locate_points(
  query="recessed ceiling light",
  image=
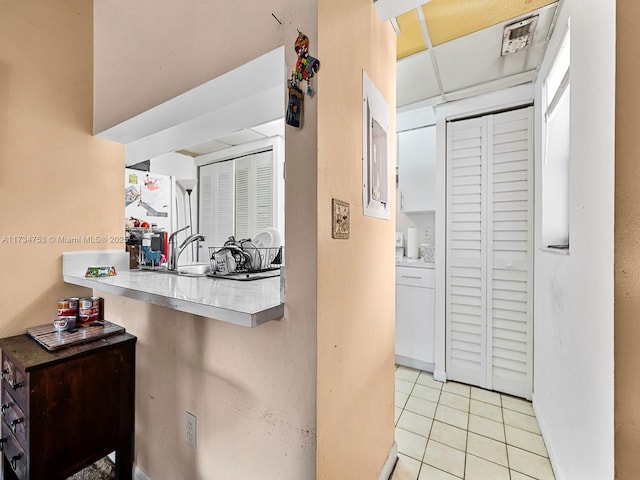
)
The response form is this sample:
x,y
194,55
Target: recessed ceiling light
x,y
518,35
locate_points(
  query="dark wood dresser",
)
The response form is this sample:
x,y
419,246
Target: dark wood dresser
x,y
64,410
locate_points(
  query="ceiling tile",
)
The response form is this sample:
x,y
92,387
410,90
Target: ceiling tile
x,y
416,79
476,59
240,137
271,129
451,19
410,40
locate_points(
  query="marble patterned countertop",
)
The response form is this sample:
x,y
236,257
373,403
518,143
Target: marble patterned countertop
x,y
246,303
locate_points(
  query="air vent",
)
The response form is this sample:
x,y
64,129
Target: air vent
x,y
518,35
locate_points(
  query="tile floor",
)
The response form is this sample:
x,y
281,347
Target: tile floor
x,y
448,431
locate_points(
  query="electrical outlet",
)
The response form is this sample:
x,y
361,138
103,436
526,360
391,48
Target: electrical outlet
x,y
190,433
427,234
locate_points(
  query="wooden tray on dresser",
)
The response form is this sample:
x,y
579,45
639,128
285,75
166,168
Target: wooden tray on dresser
x,y
49,338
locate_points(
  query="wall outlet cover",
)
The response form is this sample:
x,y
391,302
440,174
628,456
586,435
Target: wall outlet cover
x,y
341,219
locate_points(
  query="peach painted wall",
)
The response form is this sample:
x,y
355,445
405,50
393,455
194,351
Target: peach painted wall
x,y
356,277
253,391
627,238
55,174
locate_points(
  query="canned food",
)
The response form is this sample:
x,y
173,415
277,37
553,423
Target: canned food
x,y
67,307
89,309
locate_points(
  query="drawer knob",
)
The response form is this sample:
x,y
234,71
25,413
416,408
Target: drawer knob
x,y
2,442
14,460
15,423
15,385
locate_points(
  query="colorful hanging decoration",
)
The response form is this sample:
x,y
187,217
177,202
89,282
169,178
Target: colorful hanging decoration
x,y
306,67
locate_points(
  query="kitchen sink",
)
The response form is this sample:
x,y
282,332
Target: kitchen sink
x,y
194,269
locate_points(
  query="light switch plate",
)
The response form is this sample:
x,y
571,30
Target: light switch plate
x,y
341,219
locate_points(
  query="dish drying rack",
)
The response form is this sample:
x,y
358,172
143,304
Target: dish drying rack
x,y
246,260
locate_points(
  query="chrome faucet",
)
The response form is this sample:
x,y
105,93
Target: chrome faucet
x,y
175,251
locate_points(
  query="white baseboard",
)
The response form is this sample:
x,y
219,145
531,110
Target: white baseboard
x,y
139,474
557,471
387,469
413,363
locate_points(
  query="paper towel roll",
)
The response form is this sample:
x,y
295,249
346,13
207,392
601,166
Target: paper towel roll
x,y
412,243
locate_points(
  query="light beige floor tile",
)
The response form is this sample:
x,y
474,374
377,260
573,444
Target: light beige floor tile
x,y
486,396
449,435
529,464
445,458
452,416
487,448
420,406
481,469
403,386
415,423
427,380
531,442
426,393
401,399
457,388
455,401
517,404
406,373
519,476
398,412
486,410
520,420
406,468
486,427
427,472
410,444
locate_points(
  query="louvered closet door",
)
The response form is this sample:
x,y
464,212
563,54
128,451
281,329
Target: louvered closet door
x,y
489,251
216,207
254,194
466,252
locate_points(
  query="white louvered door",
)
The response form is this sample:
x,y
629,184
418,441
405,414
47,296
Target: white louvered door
x,y
254,194
216,206
489,299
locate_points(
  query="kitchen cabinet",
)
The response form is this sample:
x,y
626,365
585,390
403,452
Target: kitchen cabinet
x,y
415,317
416,169
64,410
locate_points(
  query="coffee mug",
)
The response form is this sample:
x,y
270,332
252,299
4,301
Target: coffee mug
x,y
64,323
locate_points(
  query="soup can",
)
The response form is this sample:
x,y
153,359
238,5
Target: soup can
x,y
68,307
89,309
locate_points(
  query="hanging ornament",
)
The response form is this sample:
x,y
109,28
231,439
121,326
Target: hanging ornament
x,y
306,66
296,101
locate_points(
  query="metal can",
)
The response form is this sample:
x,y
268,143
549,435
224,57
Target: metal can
x,y
67,307
88,310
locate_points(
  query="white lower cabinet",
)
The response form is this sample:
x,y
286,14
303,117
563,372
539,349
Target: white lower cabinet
x,y
415,317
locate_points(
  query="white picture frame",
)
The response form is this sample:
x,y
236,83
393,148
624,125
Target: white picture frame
x,y
376,182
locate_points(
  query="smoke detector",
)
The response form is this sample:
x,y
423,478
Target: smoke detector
x,y
518,35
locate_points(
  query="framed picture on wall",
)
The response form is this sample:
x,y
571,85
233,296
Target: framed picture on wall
x,y
375,151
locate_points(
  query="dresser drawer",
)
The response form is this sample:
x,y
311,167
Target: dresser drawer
x,y
15,455
416,277
14,380
14,418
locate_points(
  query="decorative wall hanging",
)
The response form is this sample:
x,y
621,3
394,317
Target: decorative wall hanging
x,y
375,151
340,219
306,67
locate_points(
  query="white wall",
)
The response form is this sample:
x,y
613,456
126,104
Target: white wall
x,y
573,339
